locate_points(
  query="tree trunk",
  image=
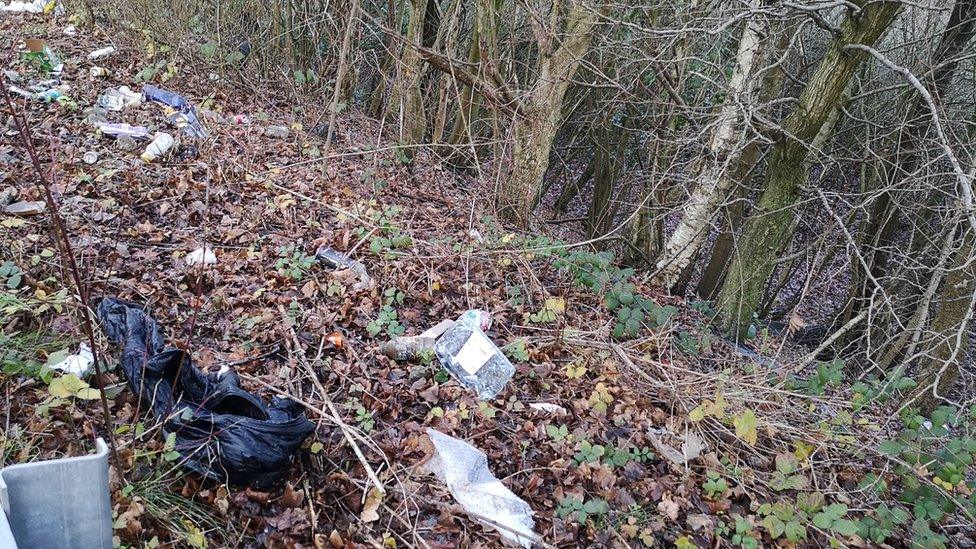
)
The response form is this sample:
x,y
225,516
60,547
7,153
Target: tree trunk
x,y
713,183
950,328
534,131
771,226
406,99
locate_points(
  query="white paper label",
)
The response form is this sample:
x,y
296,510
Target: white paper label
x,y
475,352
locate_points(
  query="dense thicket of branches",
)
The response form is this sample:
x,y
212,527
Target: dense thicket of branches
x,y
789,160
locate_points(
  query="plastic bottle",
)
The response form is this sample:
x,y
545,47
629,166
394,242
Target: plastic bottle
x,y
160,145
278,132
166,97
111,100
49,95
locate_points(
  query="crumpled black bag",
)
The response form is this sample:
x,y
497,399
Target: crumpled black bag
x,y
222,431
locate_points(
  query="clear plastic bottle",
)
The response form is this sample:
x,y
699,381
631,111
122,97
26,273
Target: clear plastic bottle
x,y
160,145
471,357
277,132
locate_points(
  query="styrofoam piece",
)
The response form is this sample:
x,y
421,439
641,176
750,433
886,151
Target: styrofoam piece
x,y
59,503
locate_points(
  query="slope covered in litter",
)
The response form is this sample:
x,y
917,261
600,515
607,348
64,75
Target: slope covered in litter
x,y
627,420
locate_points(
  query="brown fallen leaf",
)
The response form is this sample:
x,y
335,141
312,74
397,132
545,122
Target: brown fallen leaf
x,y
292,497
374,498
668,507
335,338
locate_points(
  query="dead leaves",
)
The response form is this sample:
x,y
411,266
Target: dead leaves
x,y
374,498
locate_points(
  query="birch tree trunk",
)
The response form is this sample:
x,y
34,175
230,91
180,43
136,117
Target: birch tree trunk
x,y
771,226
713,185
534,131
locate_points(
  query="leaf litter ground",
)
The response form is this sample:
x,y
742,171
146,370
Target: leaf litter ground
x,y
617,456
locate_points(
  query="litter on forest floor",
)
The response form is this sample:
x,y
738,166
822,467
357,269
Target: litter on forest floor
x,y
411,347
180,113
277,132
205,256
464,469
161,144
102,52
470,356
37,6
119,130
220,431
79,364
26,208
337,260
548,408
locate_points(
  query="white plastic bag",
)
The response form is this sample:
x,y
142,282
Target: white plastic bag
x,y
464,469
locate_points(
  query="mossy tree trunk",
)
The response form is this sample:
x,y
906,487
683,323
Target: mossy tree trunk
x,y
406,99
771,226
939,369
534,129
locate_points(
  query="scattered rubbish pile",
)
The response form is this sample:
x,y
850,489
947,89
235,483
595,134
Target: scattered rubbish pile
x,y
222,432
464,469
470,356
179,112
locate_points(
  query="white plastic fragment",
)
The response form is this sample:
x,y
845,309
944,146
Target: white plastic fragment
x,y
37,6
464,469
102,52
547,407
201,255
70,30
79,364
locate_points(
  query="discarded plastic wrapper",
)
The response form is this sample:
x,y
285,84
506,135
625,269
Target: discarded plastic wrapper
x,y
338,260
547,408
467,353
183,117
222,431
102,52
118,130
79,364
201,255
409,347
37,6
464,469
